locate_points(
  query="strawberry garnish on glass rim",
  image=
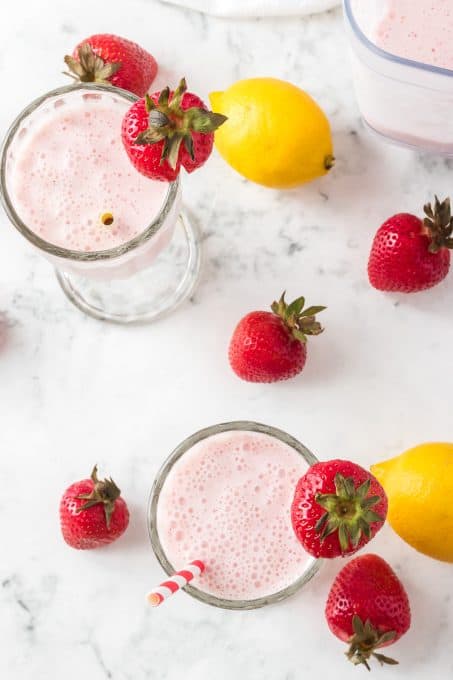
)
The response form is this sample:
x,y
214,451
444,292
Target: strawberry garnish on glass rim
x,y
169,122
338,507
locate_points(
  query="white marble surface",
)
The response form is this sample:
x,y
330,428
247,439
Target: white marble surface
x,y
74,391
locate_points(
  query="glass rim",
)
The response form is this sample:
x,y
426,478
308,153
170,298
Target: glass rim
x,y
51,248
313,564
388,56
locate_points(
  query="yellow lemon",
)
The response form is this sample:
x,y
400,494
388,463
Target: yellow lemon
x,y
275,135
419,486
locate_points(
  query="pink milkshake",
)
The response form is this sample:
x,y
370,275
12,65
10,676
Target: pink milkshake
x,y
226,501
420,30
71,182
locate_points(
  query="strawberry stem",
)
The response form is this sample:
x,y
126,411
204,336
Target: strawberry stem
x,y
365,641
89,67
348,512
104,491
439,224
169,122
300,322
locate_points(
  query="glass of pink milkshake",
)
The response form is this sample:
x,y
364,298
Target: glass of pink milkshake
x,y
224,497
402,59
122,248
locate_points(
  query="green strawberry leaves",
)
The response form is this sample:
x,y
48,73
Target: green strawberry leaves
x,y
104,491
301,322
89,67
170,123
439,224
365,640
348,512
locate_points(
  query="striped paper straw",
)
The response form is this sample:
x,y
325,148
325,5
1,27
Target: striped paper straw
x,y
156,596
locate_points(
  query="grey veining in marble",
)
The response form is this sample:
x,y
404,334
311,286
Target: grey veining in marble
x,y
74,391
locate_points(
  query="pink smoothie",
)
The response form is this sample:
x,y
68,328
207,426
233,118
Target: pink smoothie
x,y
420,30
227,502
70,168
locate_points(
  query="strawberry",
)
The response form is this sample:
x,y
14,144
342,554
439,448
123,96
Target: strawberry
x,y
167,130
271,346
409,254
337,508
109,59
368,607
92,513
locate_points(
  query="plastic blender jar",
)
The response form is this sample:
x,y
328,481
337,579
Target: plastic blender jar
x,y
404,101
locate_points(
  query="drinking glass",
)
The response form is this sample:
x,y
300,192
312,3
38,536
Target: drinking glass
x,y
137,281
309,569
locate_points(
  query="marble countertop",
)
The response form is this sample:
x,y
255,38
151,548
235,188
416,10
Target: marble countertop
x,y
74,391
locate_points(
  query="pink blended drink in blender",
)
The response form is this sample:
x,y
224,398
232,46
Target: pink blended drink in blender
x,y
72,182
69,187
402,59
224,497
420,30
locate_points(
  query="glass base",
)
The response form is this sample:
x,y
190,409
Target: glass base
x,y
147,295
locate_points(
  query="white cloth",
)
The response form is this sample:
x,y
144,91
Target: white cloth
x,y
257,8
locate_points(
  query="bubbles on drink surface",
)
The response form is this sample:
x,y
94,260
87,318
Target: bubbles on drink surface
x,y
70,171
227,501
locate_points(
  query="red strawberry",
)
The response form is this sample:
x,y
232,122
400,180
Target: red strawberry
x,y
368,607
271,346
168,130
92,513
337,508
106,58
409,254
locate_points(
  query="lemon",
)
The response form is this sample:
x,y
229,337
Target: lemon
x,y
419,486
275,135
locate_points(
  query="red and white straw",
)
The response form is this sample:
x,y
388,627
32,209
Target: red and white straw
x,y
156,596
